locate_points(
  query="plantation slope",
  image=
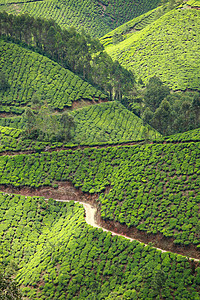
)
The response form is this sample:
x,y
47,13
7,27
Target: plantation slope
x,y
191,135
95,17
131,27
30,74
107,122
61,257
110,121
153,188
194,3
168,48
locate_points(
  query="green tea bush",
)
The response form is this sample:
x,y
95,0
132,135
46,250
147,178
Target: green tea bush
x,y
31,74
167,48
154,188
97,18
59,256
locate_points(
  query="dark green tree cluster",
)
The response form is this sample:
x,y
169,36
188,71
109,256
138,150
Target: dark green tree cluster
x,y
78,52
45,126
169,113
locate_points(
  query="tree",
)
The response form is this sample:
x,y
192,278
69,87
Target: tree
x,y
195,106
158,282
30,120
163,117
155,92
67,123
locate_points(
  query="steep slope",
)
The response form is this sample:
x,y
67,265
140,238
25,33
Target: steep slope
x,y
167,48
150,188
107,122
61,257
31,74
110,122
95,17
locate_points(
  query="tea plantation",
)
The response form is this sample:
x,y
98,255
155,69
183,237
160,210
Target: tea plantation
x,y
96,17
107,122
59,256
167,48
30,74
191,135
154,188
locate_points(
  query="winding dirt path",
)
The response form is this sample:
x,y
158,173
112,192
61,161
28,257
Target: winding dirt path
x,y
90,213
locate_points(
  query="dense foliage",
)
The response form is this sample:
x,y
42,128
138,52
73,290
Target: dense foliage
x,y
96,17
152,187
192,135
61,257
96,124
109,122
78,52
31,75
167,48
169,113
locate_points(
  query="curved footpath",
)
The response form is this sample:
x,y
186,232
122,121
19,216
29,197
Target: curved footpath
x,y
90,213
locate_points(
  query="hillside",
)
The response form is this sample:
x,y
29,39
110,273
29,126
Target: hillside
x,y
149,188
59,256
95,17
167,47
33,75
103,123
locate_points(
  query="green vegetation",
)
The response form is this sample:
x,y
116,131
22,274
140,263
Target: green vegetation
x,y
167,112
194,3
95,17
192,135
61,257
125,30
167,48
78,52
96,124
110,122
154,188
32,75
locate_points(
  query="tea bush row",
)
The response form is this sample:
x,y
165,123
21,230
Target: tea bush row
x,y
61,257
109,122
154,188
168,48
30,74
97,18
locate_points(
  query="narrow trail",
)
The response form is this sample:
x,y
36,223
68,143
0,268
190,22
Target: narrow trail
x,y
90,213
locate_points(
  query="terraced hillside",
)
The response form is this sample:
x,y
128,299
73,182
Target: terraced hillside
x,y
152,188
30,74
59,256
167,48
95,17
191,135
107,122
